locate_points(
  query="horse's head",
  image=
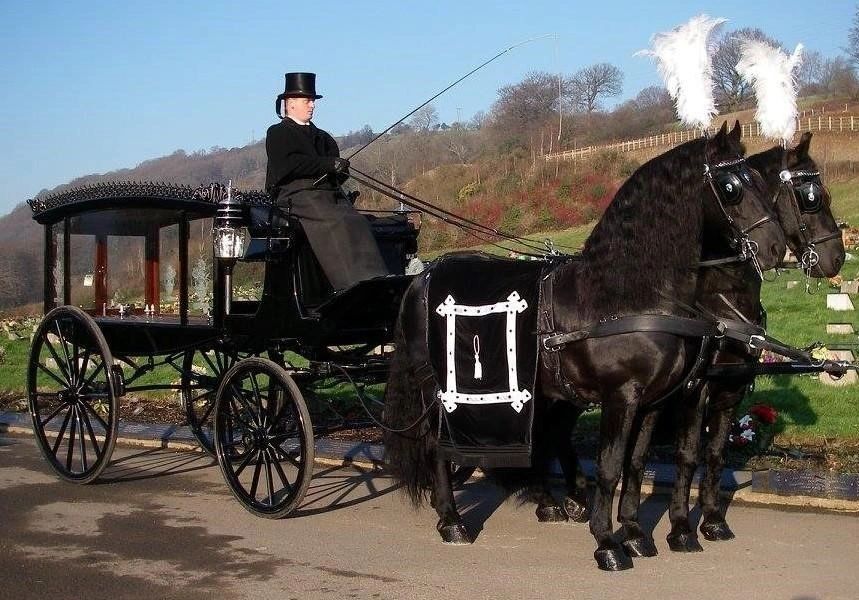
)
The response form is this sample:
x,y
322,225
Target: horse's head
x,y
737,208
802,204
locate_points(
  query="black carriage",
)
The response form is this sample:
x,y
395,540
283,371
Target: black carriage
x,y
173,305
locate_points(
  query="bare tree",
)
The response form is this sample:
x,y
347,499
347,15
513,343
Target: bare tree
x,y
852,48
594,83
425,118
527,103
653,97
731,89
809,74
477,120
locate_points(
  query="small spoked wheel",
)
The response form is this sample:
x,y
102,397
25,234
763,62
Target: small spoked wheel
x,y
263,437
202,370
72,394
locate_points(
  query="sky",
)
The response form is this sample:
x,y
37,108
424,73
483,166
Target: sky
x,y
93,86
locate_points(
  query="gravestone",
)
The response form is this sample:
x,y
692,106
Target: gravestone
x,y
840,328
850,287
838,302
792,284
849,378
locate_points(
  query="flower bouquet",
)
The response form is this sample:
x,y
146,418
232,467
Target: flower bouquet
x,y
753,432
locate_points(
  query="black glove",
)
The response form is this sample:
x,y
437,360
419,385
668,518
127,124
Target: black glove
x,y
341,167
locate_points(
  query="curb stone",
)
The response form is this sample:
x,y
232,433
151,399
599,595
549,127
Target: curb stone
x,y
657,480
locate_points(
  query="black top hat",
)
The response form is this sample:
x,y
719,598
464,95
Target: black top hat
x,y
298,85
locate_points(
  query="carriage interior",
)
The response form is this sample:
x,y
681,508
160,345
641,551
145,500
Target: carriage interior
x,y
135,261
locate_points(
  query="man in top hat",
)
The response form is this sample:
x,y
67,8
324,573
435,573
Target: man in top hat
x,y
299,154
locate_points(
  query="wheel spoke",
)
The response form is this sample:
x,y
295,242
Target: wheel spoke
x,y
239,393
65,349
245,462
210,406
84,364
280,472
90,379
281,437
255,480
71,450
61,432
258,398
269,482
84,463
287,457
75,366
101,421
91,433
50,417
60,365
215,370
235,415
50,373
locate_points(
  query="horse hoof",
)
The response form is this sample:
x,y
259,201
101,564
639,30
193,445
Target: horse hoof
x,y
684,542
455,534
612,559
576,511
716,531
551,514
640,547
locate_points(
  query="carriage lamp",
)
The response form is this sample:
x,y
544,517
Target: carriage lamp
x,y
229,235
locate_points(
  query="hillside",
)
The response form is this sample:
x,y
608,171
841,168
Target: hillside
x,y
475,172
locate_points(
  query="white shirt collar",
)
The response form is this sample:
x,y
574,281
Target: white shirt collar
x,y
297,121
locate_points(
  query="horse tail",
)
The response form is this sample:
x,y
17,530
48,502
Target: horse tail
x,y
409,396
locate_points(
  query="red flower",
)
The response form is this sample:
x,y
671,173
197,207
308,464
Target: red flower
x,y
766,414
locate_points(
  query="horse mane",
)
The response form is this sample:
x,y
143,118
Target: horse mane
x,y
649,238
767,163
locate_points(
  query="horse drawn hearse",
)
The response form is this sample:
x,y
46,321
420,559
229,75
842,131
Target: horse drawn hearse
x,y
488,362
235,362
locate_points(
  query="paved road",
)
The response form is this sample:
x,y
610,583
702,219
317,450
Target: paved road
x,y
163,525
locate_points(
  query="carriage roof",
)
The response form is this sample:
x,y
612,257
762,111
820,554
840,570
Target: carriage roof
x,y
143,205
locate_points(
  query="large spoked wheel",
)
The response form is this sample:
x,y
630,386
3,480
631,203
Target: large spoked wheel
x,y
263,437
72,394
202,371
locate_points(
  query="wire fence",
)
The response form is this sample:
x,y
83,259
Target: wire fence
x,y
818,123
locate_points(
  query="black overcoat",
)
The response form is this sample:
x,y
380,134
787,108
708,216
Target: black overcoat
x,y
341,238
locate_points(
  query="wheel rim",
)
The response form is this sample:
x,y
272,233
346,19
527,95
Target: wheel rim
x,y
202,371
71,395
264,443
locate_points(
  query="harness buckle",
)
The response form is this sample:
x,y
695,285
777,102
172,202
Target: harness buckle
x,y
753,339
548,348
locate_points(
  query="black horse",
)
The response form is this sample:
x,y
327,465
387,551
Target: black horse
x,y
732,292
641,258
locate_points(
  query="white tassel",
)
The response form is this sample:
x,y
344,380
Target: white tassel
x,y
478,368
684,59
771,73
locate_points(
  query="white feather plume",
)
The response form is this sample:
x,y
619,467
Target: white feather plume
x,y
684,59
771,73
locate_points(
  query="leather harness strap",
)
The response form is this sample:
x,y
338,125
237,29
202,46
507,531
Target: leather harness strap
x,y
671,324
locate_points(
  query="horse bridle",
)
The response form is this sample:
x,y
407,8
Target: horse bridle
x,y
807,193
727,185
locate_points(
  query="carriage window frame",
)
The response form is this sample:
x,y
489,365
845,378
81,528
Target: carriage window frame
x,y
58,255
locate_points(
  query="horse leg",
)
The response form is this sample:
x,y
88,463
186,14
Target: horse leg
x,y
576,498
616,420
636,542
713,524
681,537
548,509
450,525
